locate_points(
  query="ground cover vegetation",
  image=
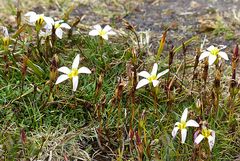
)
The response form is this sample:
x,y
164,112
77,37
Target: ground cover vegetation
x,y
100,93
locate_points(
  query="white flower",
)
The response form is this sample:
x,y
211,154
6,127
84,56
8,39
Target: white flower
x,y
37,19
58,26
150,78
212,53
5,31
98,31
45,33
206,133
6,38
72,73
183,126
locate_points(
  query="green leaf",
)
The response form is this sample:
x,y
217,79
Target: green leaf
x,y
177,49
36,69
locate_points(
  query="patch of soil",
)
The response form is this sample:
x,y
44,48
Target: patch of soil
x,y
218,19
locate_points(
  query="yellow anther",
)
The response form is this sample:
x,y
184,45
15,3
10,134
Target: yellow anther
x,y
102,33
182,125
57,25
152,77
206,133
73,73
215,51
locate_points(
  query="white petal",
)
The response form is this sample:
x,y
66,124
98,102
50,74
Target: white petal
x,y
84,70
76,61
31,13
107,28
223,55
184,115
94,33
144,74
210,48
49,21
141,83
105,36
48,32
43,34
33,18
221,47
75,83
48,26
199,139
213,134
61,78
211,59
65,25
5,31
211,142
162,73
64,70
177,123
111,33
184,135
174,132
59,21
97,27
155,83
192,123
154,69
204,55
59,33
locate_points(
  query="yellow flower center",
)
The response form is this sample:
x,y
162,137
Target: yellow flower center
x,y
73,73
215,51
40,20
6,41
206,133
152,77
57,25
182,125
102,33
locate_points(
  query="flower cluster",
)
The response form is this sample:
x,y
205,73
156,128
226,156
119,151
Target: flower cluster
x,y
213,53
72,73
150,78
102,32
208,134
46,26
50,27
182,126
6,37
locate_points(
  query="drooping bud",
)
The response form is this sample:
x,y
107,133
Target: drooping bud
x,y
119,89
205,71
198,103
235,59
99,84
139,146
142,119
5,38
128,26
18,18
171,55
131,134
53,68
23,136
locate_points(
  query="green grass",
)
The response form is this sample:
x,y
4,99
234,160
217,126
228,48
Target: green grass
x,y
39,123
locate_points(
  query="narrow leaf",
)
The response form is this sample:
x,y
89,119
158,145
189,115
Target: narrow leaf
x,y
186,43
